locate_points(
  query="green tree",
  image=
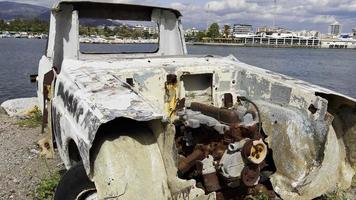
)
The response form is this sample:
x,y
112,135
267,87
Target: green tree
x,y
226,31
200,35
33,25
213,30
3,25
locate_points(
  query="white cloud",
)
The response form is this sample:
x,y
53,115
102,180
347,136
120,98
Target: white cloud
x,y
288,13
317,13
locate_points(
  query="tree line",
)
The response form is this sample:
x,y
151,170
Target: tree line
x,y
212,32
120,31
39,26
24,25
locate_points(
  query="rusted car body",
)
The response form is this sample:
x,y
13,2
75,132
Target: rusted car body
x,y
203,127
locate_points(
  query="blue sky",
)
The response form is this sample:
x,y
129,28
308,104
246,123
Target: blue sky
x,y
292,14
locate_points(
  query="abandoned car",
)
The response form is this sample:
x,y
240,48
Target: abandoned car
x,y
168,125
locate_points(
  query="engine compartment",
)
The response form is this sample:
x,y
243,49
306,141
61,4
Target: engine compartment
x,y
223,149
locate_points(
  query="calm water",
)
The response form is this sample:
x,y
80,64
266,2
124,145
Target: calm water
x,y
333,69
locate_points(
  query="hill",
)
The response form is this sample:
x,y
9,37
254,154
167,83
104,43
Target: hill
x,y
13,10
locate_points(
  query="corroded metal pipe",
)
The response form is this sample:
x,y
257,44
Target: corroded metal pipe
x,y
222,114
187,163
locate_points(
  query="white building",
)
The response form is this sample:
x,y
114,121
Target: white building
x,y
308,34
242,29
191,32
338,44
139,27
335,28
151,30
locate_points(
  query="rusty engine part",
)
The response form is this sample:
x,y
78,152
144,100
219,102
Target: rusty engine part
x,y
222,149
250,175
221,114
228,100
210,178
188,162
254,151
239,132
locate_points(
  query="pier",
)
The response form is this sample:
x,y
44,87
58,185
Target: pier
x,y
293,42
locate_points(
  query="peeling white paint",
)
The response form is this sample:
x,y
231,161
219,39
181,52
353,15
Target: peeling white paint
x,y
91,90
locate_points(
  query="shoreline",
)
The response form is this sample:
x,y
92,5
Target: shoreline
x,y
210,44
260,46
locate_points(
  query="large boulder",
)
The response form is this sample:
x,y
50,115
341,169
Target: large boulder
x,y
19,107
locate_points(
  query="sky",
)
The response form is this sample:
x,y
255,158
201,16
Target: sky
x,y
291,14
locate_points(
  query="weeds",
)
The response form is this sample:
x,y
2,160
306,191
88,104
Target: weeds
x,y
45,189
33,120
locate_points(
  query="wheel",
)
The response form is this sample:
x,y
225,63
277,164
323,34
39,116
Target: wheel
x,y
75,185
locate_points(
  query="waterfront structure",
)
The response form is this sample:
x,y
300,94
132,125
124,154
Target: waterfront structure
x,y
265,41
151,29
335,28
338,44
191,32
265,29
308,34
242,29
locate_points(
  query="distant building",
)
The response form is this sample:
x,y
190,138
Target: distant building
x,y
354,33
308,34
151,29
242,29
191,32
139,27
335,28
264,29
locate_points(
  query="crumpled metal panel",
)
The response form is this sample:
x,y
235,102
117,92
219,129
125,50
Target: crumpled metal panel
x,y
309,156
130,167
92,92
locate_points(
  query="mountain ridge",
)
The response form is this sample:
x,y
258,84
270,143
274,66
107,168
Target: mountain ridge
x,y
14,10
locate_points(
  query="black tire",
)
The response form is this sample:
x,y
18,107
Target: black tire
x,y
73,184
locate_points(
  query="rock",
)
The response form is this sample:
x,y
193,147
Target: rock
x,y
35,151
16,181
19,107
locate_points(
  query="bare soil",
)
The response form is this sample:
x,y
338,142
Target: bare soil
x,y
21,167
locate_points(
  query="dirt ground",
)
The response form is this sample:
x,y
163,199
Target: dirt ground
x,y
21,167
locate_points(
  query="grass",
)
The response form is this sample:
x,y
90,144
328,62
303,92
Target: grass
x,y
33,120
45,189
340,194
353,183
